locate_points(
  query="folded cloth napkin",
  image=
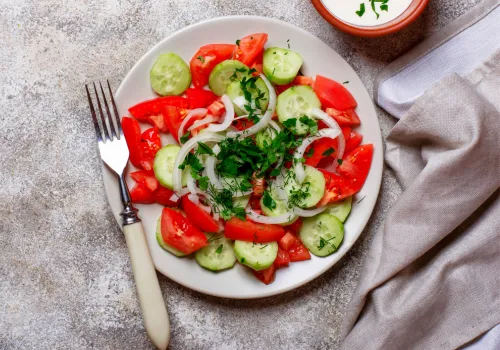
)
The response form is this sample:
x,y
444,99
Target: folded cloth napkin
x,y
431,279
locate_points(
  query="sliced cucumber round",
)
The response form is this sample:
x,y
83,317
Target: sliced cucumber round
x,y
258,256
161,242
163,166
310,192
170,75
259,96
322,234
225,73
217,255
281,65
340,209
264,137
296,102
280,209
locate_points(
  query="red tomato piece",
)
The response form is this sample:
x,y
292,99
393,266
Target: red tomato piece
x,y
255,203
200,98
267,275
158,121
288,241
356,166
173,119
200,218
299,253
336,188
353,141
242,124
298,80
257,64
141,194
282,259
145,178
180,233
150,143
346,117
163,195
246,230
143,110
333,94
249,47
216,108
132,133
295,226
205,59
320,149
258,187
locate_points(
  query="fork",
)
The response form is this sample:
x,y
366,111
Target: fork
x,y
114,153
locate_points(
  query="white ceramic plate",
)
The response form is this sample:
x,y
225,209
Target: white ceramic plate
x,y
319,58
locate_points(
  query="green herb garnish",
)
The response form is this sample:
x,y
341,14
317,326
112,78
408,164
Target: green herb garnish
x,y
238,42
328,152
204,149
219,249
361,10
201,58
268,201
185,137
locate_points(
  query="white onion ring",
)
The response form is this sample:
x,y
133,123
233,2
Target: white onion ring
x,y
183,152
193,113
207,120
194,198
272,220
175,197
332,124
241,117
299,152
266,118
275,126
228,117
307,213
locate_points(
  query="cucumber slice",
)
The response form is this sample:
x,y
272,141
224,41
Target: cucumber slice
x,y
313,185
161,242
281,65
281,207
296,102
264,137
224,74
241,201
170,75
340,209
236,95
258,256
163,166
322,234
217,255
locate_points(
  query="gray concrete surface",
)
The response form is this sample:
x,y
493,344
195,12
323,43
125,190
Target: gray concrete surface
x,y
65,279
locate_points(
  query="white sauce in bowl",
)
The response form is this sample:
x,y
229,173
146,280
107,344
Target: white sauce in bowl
x,y
345,10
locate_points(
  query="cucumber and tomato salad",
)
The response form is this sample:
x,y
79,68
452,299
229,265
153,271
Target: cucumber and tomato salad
x,y
266,160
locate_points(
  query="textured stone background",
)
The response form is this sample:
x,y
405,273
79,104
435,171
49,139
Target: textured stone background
x,y
65,279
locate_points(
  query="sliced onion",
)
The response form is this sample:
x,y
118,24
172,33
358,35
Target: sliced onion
x,y
210,168
308,212
332,124
275,126
241,117
280,219
206,208
300,173
240,102
228,117
198,112
266,118
175,197
221,224
183,152
194,198
207,120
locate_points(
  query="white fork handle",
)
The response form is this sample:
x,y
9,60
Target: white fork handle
x,y
151,300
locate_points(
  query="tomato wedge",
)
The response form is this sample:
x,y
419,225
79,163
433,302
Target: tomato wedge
x,y
146,178
336,188
288,241
180,233
267,275
346,117
282,259
173,119
205,59
200,218
298,80
200,98
299,253
320,149
216,108
333,94
353,141
142,111
248,48
295,226
163,195
246,230
141,194
132,133
356,165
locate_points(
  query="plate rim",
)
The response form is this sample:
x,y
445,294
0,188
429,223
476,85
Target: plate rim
x,y
371,202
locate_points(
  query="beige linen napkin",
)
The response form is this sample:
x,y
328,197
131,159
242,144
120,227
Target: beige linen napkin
x,y
431,279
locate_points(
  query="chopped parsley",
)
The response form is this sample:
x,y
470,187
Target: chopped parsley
x,y
268,201
185,137
339,161
201,58
324,242
219,249
346,82
361,10
309,153
238,42
328,152
204,149
297,196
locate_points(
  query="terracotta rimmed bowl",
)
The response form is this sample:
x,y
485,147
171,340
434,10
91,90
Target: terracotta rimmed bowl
x,y
400,22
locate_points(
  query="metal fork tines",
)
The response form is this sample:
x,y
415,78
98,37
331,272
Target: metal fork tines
x,y
112,145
